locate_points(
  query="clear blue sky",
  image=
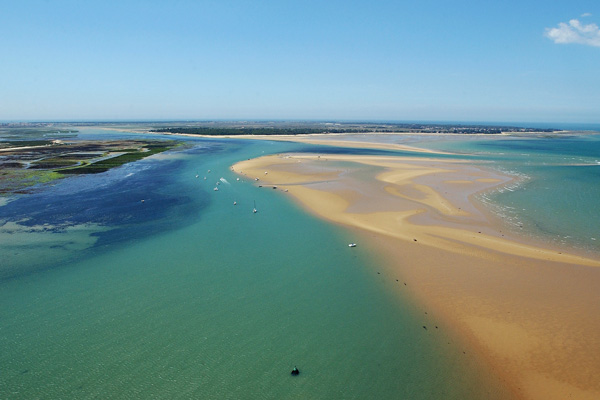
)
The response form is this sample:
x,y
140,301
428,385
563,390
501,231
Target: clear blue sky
x,y
511,60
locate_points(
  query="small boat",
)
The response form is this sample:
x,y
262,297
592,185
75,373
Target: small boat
x,y
352,245
216,189
235,203
254,210
295,371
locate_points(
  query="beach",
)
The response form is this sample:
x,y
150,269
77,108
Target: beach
x,y
528,312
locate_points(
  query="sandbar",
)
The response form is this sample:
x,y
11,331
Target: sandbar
x,y
529,311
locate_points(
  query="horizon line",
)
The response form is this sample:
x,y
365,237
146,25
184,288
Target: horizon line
x,y
292,120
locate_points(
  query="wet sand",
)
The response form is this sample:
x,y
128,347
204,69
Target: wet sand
x,y
328,139
530,312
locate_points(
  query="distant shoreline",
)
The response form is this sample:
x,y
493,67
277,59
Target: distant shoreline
x,y
260,130
292,127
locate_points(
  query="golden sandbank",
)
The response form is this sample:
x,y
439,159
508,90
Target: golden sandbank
x,y
530,312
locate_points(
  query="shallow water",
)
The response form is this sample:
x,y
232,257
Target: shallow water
x,y
555,199
185,295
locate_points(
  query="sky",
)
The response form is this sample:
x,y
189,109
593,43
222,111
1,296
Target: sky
x,y
427,60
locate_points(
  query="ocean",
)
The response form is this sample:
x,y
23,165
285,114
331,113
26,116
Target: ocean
x,y
186,295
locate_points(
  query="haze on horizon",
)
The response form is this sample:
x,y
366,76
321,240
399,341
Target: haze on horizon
x,y
379,60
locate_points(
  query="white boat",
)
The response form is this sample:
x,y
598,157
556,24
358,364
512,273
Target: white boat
x,y
216,189
352,245
254,210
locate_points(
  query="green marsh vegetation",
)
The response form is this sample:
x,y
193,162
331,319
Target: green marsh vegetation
x,y
27,163
129,155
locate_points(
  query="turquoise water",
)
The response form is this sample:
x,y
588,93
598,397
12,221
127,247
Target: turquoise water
x,y
555,199
185,295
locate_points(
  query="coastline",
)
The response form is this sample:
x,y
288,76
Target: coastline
x,y
528,311
315,138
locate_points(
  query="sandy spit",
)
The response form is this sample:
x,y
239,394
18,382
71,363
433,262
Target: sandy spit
x,y
530,312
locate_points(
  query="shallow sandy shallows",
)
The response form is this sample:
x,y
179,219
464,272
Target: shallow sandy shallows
x,y
531,313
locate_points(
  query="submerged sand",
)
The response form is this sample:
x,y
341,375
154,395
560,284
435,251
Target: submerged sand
x,y
530,312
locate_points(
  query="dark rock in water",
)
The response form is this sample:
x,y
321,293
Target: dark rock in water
x,y
295,371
